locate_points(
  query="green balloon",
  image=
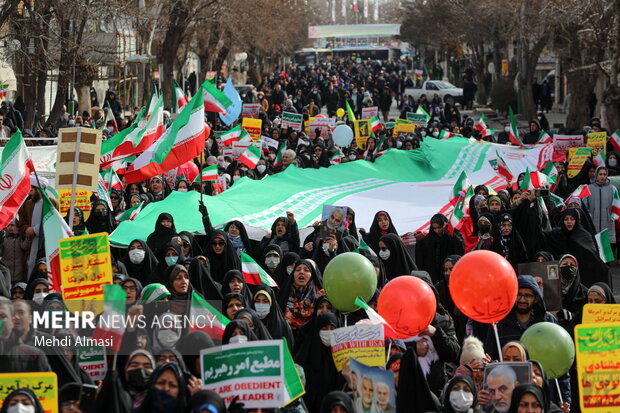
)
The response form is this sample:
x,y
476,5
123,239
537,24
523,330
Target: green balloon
x,y
348,276
551,346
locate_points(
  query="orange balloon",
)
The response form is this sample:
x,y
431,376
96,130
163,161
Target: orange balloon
x,y
408,304
320,116
484,286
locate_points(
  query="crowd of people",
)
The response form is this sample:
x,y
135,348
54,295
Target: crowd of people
x,y
440,371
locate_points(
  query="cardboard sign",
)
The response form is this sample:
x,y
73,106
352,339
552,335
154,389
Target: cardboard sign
x,y
326,125
577,157
598,369
43,384
375,381
417,118
389,125
91,359
292,120
85,265
601,313
363,131
88,142
549,274
272,143
365,343
598,142
250,110
369,112
561,143
253,371
82,201
403,126
253,127
239,146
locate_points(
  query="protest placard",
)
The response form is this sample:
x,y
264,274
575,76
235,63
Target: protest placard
x,y
253,127
375,390
561,143
578,157
272,143
91,359
85,265
363,131
389,125
369,112
418,119
292,120
82,201
403,126
78,155
601,313
326,125
598,142
250,110
364,343
547,274
43,384
261,373
598,369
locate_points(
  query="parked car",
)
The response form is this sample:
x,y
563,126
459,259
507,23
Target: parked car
x,y
447,91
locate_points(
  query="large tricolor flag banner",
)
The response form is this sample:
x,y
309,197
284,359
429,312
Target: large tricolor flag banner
x,y
114,305
253,273
214,99
412,186
15,169
182,142
54,229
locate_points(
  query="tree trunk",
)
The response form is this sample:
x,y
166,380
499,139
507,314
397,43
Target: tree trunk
x,y
611,101
222,54
580,86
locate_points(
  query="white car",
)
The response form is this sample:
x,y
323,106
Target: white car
x,y
447,91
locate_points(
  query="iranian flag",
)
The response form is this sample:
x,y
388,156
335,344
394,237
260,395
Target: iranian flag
x,y
581,192
375,123
604,246
444,134
178,98
599,160
182,142
130,214
502,168
420,111
461,208
208,174
108,327
253,273
539,179
550,170
460,187
615,140
15,169
109,115
111,179
54,229
513,135
615,206
152,102
204,317
233,135
375,318
335,159
250,156
378,146
102,190
214,99
109,148
557,200
544,137
281,150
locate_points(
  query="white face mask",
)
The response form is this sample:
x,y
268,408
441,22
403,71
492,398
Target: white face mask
x,y
289,270
236,177
399,144
435,134
182,189
423,133
506,128
325,337
461,400
238,339
262,310
167,338
20,408
612,162
136,256
326,248
261,168
272,262
384,254
38,297
352,157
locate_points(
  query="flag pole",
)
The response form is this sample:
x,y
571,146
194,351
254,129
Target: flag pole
x,y
202,157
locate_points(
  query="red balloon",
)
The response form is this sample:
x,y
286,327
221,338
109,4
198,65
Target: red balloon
x,y
408,304
189,169
484,286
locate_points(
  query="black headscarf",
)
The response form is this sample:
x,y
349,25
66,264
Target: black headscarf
x,y
144,270
532,389
510,247
96,223
245,290
38,408
29,293
242,325
137,283
431,251
308,293
546,255
447,407
227,298
577,295
259,328
318,364
159,275
287,242
609,295
414,394
443,292
373,236
352,229
161,235
211,401
248,246
155,400
219,264
194,247
281,275
201,280
274,321
337,398
275,248
80,228
172,272
190,345
581,244
400,261
377,262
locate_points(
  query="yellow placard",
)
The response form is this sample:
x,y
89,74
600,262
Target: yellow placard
x,y
577,157
43,384
601,313
85,265
598,367
598,142
363,131
82,201
253,127
365,343
403,126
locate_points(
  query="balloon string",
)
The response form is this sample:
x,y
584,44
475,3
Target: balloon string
x,y
499,348
388,352
345,319
557,385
